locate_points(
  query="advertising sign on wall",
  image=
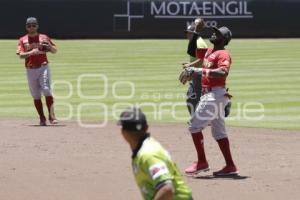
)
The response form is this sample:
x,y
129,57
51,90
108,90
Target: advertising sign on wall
x,y
150,18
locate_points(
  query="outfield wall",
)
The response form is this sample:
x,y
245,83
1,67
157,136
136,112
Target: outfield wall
x,y
149,18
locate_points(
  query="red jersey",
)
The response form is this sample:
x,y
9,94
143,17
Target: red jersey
x,y
27,43
219,59
200,53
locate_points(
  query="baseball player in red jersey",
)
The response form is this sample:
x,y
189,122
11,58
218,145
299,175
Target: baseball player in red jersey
x,y
210,110
33,48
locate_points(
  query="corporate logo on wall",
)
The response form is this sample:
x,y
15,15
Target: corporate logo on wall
x,y
211,11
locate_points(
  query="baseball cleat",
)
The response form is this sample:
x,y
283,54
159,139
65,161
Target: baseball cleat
x,y
53,121
43,123
230,170
196,168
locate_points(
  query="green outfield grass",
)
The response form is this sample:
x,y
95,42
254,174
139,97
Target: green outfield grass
x,y
264,70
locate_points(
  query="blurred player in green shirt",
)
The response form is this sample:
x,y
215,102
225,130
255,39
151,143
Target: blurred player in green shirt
x,y
155,173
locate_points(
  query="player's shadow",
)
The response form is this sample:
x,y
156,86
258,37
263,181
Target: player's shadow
x,y
50,125
233,177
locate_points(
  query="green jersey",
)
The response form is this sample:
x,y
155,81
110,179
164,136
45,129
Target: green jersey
x,y
153,167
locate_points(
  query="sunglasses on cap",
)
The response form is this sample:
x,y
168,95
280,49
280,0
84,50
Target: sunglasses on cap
x,y
31,25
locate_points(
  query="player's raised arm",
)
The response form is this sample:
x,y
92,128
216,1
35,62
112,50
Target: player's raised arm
x,y
196,46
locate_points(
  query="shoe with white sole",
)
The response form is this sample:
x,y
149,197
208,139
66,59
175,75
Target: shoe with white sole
x,y
229,170
53,121
196,168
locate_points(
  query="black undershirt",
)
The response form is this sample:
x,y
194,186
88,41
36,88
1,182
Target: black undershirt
x,y
192,46
138,147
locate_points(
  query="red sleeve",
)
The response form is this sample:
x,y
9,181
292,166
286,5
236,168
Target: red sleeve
x,y
200,53
20,48
224,61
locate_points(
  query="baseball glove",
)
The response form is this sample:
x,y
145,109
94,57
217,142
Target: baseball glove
x,y
45,46
186,75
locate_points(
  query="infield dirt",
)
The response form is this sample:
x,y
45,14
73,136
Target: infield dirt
x,y
68,162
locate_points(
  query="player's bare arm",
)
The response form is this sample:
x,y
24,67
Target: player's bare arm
x,y
189,72
209,72
52,48
217,73
36,51
165,192
194,63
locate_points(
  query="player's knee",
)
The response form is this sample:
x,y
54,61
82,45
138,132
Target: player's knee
x,y
219,135
35,94
195,127
195,130
47,91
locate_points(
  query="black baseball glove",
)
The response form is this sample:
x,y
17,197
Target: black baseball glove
x,y
45,46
